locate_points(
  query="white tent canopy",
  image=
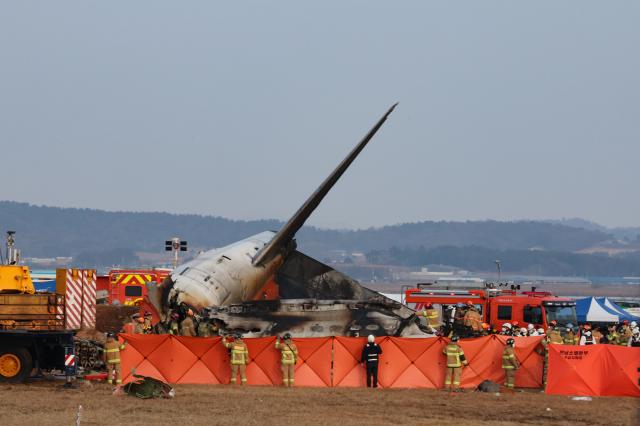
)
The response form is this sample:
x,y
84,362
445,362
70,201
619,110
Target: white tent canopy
x,y
590,310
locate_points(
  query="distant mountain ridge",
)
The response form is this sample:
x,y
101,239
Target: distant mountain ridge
x,y
52,231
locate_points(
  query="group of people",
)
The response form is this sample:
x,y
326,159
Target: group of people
x,y
188,324
622,334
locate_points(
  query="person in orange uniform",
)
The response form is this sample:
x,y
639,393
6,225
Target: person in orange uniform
x,y
239,358
510,364
112,350
289,357
455,361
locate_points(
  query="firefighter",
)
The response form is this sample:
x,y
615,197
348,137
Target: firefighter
x,y
174,327
370,359
455,361
472,319
458,320
112,350
486,329
531,330
510,364
612,336
543,350
138,323
187,327
624,333
204,328
597,335
569,337
431,316
552,325
554,335
239,358
148,326
288,359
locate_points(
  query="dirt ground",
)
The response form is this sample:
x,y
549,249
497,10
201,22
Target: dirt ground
x,y
45,403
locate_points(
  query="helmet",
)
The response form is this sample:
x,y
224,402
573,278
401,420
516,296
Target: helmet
x,y
625,322
189,312
485,326
515,323
569,329
506,325
286,336
454,338
633,324
459,305
523,330
553,323
530,327
587,333
469,303
511,342
541,331
569,325
587,327
136,315
428,305
371,338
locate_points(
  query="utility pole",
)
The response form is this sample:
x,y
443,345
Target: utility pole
x,y
497,262
176,245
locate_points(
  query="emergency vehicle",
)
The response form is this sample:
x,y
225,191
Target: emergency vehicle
x,y
497,306
128,286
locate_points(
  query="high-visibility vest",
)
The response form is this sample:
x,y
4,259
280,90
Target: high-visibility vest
x,y
288,351
454,354
509,360
112,351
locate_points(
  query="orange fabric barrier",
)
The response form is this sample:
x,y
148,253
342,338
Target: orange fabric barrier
x,y
595,370
327,361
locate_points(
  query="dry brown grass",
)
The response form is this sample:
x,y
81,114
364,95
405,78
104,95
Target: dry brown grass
x,y
48,404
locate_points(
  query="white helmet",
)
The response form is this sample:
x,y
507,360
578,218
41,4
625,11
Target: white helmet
x,y
371,338
541,331
506,325
633,324
530,327
523,330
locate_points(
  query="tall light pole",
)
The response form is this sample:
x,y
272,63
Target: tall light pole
x,y
176,245
497,262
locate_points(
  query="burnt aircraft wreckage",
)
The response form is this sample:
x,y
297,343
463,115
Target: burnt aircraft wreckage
x,y
228,285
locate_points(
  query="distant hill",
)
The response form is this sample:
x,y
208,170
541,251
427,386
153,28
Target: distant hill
x,y
52,231
630,233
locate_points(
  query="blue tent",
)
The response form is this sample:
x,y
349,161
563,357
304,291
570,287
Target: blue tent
x,y
624,315
591,309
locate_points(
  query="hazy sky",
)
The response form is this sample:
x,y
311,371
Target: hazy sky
x,y
508,110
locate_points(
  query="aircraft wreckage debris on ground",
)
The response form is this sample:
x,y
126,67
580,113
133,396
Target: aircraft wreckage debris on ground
x,y
227,285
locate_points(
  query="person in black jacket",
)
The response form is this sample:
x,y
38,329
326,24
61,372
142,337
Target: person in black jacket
x,y
370,354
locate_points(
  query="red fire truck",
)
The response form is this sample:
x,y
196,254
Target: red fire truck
x,y
128,286
497,306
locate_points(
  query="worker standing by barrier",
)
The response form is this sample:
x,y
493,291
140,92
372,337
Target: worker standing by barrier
x,y
510,364
370,358
239,358
570,337
112,350
455,361
472,320
289,357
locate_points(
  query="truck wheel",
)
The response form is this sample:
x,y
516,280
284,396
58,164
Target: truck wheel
x,y
15,364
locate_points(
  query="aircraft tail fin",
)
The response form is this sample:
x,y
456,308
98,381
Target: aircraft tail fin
x,y
288,231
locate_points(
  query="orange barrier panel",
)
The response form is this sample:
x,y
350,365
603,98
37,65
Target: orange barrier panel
x,y
327,361
595,370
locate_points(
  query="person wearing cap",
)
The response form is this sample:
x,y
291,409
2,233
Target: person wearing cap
x,y
288,358
431,316
138,323
455,361
187,327
510,364
239,358
111,356
370,358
